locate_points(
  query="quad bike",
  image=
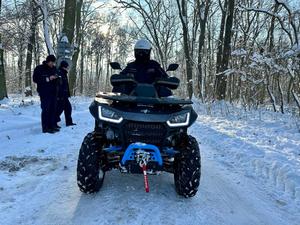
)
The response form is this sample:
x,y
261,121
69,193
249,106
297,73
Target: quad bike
x,y
140,133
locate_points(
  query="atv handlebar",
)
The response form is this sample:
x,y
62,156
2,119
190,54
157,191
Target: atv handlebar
x,y
169,82
118,79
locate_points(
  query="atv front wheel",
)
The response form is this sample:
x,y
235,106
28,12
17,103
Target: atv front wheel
x,y
90,176
187,168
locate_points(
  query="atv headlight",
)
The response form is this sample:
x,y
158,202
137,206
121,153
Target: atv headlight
x,y
109,115
179,120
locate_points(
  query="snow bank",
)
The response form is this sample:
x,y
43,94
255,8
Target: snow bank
x,y
263,144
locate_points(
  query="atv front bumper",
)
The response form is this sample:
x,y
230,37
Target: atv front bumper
x,y
131,160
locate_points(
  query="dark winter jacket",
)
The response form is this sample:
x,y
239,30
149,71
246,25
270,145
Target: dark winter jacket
x,y
143,73
63,84
41,76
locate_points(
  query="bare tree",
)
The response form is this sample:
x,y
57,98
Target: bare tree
x,y
224,49
183,15
30,48
253,47
78,37
3,91
42,4
203,10
70,18
159,24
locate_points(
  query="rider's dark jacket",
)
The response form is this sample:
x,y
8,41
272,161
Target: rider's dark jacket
x,y
145,72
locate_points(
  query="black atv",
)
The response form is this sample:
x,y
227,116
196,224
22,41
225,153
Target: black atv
x,y
140,133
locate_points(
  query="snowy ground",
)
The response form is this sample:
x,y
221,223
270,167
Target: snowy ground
x,y
250,173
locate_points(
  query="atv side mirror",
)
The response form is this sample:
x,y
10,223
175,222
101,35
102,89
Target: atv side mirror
x,y
173,67
115,65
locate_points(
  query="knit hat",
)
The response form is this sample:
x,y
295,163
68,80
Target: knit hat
x,y
50,58
64,64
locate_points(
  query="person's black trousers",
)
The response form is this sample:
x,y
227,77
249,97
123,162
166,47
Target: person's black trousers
x,y
48,111
64,105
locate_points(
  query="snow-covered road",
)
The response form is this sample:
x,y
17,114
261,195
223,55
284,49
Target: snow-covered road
x,y
38,179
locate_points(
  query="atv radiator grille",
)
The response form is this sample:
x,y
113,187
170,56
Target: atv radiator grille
x,y
150,133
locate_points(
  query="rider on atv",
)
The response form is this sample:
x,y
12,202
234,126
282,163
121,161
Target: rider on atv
x,y
143,69
140,131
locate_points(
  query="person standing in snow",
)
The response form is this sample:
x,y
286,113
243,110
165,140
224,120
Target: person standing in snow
x,y
63,95
45,76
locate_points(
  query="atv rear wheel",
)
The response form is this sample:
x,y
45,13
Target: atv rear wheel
x,y
187,168
90,176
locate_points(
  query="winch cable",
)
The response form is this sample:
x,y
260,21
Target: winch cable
x,y
142,158
146,182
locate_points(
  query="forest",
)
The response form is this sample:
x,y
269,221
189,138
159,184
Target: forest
x,y
94,132
242,51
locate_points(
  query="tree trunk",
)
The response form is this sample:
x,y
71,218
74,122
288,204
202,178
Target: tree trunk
x,y
272,27
73,71
30,48
221,37
20,68
272,97
281,94
44,9
290,88
297,100
3,90
108,59
98,60
69,19
204,9
222,78
37,54
81,72
220,43
182,7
